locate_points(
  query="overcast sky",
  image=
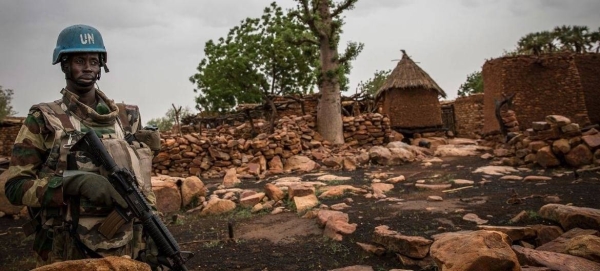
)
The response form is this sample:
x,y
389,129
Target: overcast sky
x,y
155,46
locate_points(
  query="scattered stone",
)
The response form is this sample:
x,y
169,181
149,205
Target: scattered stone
x,y
411,246
433,186
300,190
474,218
496,170
398,179
168,197
340,206
478,250
435,198
553,260
339,190
377,250
330,178
231,179
487,156
514,233
552,199
251,200
277,210
511,178
379,189
273,192
299,163
462,182
537,179
459,150
305,203
571,217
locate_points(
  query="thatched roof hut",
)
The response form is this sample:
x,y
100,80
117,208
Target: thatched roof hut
x,y
410,97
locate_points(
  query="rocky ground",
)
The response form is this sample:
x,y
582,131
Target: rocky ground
x,y
415,207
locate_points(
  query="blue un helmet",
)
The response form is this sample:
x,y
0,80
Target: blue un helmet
x,y
79,39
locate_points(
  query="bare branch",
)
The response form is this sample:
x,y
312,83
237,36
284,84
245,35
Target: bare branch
x,y
342,7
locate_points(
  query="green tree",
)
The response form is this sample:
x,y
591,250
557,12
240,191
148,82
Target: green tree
x,y
323,18
577,39
166,123
257,59
474,84
372,85
6,108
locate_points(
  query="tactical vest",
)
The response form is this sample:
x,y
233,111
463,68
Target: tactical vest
x,y
136,157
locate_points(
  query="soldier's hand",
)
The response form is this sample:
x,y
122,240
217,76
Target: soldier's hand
x,y
94,187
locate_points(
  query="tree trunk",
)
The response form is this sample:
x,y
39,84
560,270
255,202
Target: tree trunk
x,y
329,112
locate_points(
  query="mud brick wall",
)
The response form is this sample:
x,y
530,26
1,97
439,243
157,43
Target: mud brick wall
x,y
544,85
413,108
294,108
588,66
468,113
8,134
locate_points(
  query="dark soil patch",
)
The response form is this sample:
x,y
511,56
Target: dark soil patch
x,y
289,242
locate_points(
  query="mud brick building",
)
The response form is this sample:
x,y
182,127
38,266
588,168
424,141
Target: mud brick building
x,y
553,84
410,97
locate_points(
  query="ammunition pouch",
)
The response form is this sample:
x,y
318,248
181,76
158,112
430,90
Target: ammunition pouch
x,y
149,137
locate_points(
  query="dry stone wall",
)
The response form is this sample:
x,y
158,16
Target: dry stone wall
x,y
213,151
9,129
468,113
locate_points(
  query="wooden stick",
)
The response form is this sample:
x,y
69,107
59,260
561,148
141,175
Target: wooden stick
x,y
457,189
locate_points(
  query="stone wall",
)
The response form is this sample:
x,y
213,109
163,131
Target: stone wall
x,y
588,66
468,114
214,151
9,128
544,85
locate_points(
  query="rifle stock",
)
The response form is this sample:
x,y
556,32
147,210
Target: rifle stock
x,y
125,184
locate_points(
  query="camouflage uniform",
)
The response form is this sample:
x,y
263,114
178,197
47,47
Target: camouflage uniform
x,y
39,162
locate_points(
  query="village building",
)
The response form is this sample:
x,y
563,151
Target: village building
x,y
410,97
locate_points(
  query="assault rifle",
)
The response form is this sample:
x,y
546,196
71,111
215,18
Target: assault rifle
x,y
125,183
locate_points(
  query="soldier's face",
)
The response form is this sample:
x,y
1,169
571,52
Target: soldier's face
x,y
84,68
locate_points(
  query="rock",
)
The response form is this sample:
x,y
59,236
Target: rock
x,y
552,199
514,233
459,150
501,152
495,170
339,190
487,156
398,179
216,206
559,244
335,228
103,264
546,158
168,197
474,218
540,125
380,155
411,246
558,120
584,246
433,186
537,179
571,217
340,206
474,251
462,141
572,128
277,210
330,178
535,146
349,164
579,156
326,215
379,189
377,250
251,200
561,146
511,178
592,141
231,179
273,192
435,198
192,188
275,165
299,163
300,190
545,233
333,162
553,260
462,182
305,203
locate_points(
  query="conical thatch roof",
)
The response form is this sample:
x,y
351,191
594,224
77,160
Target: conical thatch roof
x,y
408,75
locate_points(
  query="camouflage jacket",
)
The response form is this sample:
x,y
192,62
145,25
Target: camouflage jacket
x,y
38,162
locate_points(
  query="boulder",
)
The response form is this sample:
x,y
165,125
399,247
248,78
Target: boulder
x,y
275,165
328,215
514,233
299,163
300,190
305,203
559,244
545,233
579,156
103,264
218,206
584,246
192,188
380,155
411,246
561,146
273,192
592,141
571,217
546,158
168,197
251,200
474,251
231,179
553,260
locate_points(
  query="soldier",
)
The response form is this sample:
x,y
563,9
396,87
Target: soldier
x,y
67,196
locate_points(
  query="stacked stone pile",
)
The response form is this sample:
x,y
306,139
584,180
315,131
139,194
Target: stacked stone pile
x,y
509,119
213,151
554,142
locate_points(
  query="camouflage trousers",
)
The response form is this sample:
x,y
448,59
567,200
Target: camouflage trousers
x,y
65,249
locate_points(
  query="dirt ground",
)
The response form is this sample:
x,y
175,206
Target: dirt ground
x,y
288,242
